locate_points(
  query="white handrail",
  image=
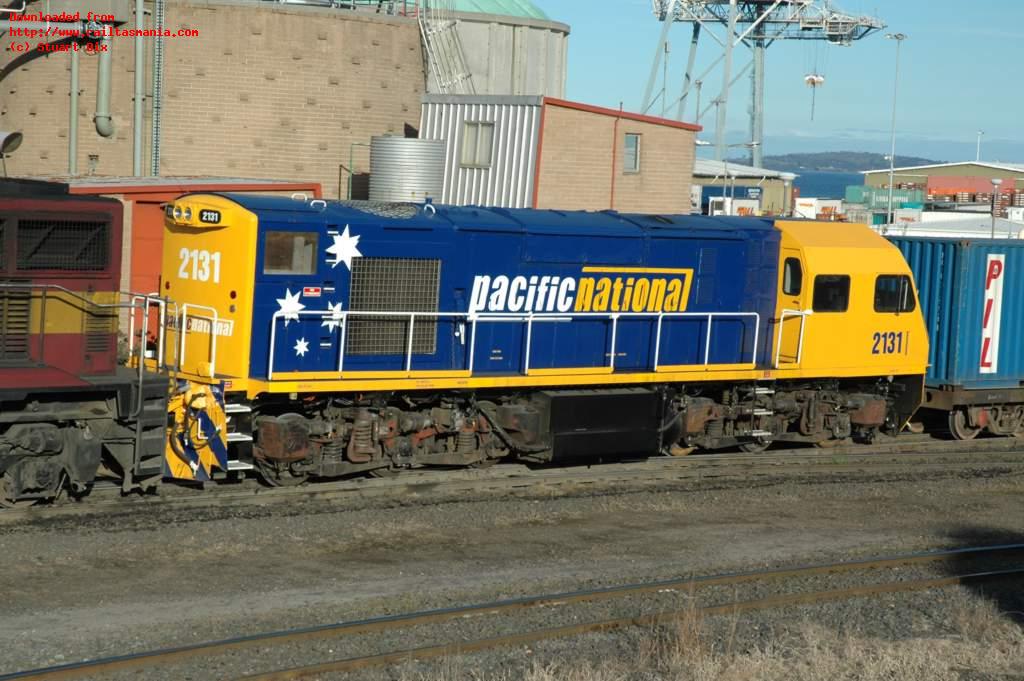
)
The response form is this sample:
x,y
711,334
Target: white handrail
x,y
142,303
792,314
529,319
214,324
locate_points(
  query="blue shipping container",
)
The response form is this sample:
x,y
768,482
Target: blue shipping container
x,y
975,319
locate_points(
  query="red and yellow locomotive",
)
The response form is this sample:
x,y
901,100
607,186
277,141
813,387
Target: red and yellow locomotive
x,y
67,406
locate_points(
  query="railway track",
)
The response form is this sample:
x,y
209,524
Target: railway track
x,y
911,454
267,641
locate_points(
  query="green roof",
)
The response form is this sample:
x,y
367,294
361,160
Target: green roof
x,y
509,8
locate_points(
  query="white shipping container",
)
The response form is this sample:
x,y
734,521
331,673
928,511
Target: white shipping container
x,y
907,215
810,207
725,205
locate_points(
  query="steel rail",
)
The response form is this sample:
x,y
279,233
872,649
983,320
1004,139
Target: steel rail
x,y
463,647
793,463
89,668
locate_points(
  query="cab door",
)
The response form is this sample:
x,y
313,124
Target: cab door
x,y
792,296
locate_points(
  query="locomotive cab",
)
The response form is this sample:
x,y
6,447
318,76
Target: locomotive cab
x,y
848,308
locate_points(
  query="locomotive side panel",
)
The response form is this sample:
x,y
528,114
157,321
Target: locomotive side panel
x,y
58,267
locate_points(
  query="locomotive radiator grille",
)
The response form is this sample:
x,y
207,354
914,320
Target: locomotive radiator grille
x,y
15,305
69,245
393,284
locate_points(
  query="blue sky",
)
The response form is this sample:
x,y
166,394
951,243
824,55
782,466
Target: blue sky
x,y
958,74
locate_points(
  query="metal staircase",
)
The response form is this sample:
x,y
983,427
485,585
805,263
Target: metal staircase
x,y
442,46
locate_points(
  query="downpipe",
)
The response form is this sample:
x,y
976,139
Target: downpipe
x,y
103,120
73,117
140,21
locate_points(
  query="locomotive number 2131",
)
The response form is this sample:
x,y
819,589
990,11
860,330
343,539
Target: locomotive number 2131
x,y
199,265
888,343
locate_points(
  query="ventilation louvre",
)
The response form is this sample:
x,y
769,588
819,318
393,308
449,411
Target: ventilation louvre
x,y
15,310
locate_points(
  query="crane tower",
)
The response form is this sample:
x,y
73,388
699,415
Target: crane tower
x,y
755,24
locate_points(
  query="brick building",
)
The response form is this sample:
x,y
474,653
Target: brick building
x,y
540,152
266,90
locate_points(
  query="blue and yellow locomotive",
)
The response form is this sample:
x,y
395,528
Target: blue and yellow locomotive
x,y
321,339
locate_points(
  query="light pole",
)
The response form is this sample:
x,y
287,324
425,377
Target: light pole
x,y
995,192
899,38
977,155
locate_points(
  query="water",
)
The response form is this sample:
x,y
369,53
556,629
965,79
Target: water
x,y
823,185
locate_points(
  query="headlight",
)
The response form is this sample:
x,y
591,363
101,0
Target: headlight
x,y
177,212
188,212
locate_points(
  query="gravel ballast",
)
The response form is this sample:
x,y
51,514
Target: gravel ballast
x,y
89,587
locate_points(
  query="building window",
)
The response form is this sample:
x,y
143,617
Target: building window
x,y
831,293
631,160
290,253
477,142
792,277
894,294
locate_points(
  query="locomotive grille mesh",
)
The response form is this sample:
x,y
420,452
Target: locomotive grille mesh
x,y
14,324
385,209
69,245
393,285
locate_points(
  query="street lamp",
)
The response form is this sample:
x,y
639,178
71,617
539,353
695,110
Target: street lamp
x,y
977,155
995,192
899,38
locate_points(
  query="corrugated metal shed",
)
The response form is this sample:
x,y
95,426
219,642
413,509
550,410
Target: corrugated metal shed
x,y
508,182
974,325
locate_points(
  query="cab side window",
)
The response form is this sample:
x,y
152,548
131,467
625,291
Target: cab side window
x,y
792,277
290,253
893,293
831,293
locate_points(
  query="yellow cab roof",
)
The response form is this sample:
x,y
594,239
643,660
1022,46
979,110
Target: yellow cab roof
x,y
854,247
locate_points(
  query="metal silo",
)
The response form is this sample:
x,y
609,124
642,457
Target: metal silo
x,y
406,169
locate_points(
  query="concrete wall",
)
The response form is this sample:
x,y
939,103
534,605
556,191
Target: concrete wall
x,y
265,91
514,56
581,164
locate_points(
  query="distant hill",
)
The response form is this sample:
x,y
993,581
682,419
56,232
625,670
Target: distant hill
x,y
835,161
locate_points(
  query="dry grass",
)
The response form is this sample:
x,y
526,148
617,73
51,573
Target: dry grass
x,y
977,639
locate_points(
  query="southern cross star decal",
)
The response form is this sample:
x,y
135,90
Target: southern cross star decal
x,y
344,248
301,347
290,305
333,317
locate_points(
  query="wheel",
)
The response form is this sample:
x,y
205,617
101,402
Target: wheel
x,y
279,476
6,501
958,426
755,447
